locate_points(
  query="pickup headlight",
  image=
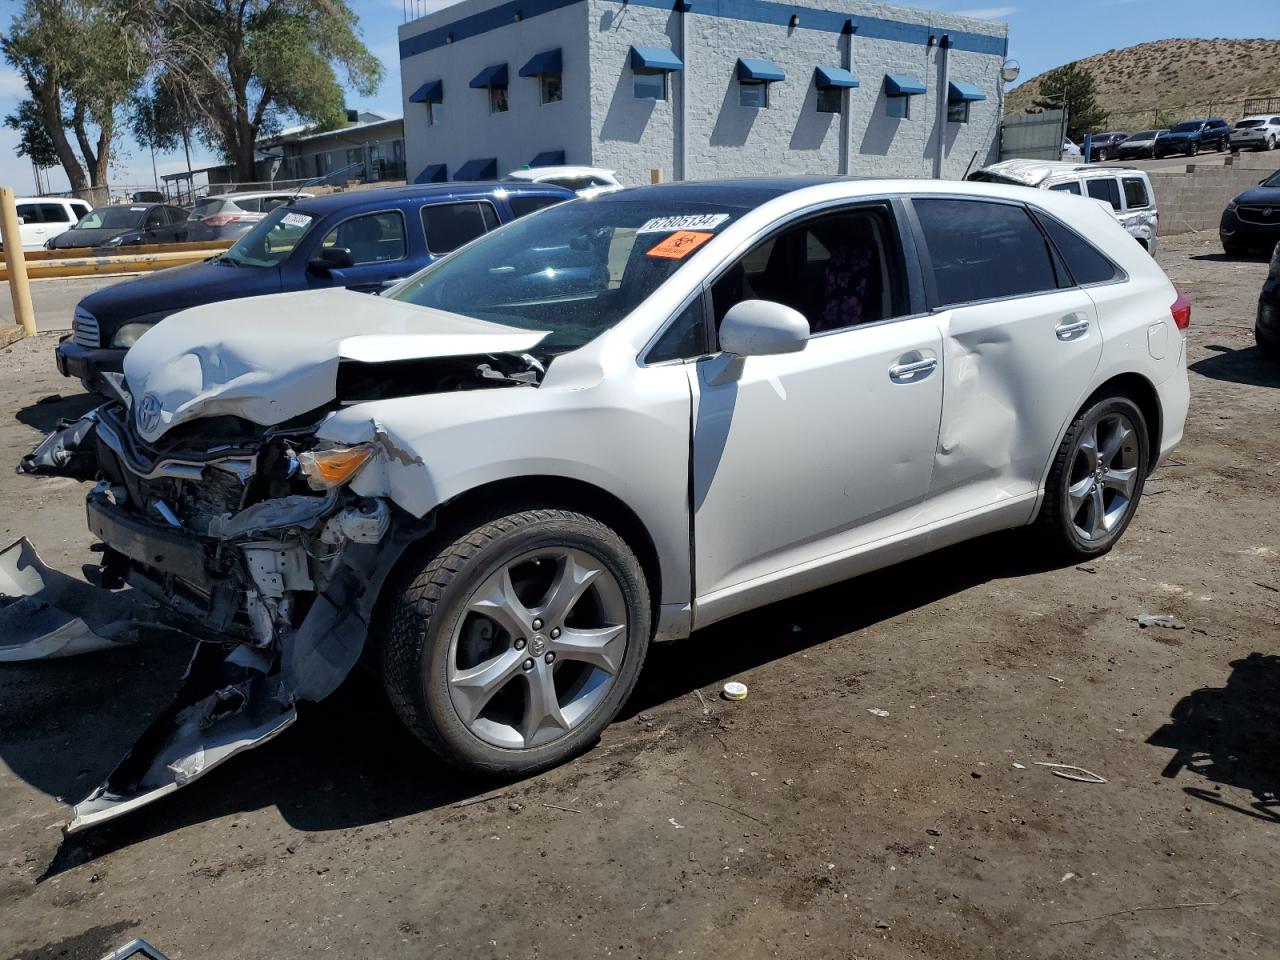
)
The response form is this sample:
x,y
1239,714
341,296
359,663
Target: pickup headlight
x,y
128,334
326,469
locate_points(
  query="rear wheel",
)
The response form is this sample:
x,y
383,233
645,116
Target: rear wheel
x,y
1269,347
1234,249
1271,142
517,644
1096,480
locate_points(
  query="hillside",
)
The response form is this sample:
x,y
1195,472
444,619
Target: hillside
x,y
1182,77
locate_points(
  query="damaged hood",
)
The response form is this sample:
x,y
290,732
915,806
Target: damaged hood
x,y
269,359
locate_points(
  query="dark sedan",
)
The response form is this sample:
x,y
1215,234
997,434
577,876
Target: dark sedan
x,y
1104,146
1252,220
123,225
1267,330
365,240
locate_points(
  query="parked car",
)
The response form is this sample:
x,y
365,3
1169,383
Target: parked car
x,y
1267,329
123,225
756,389
1126,190
1193,136
230,216
584,181
148,196
1071,151
366,241
1105,146
1251,220
1139,146
41,218
1258,133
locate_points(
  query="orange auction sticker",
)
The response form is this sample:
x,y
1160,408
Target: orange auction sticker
x,y
680,244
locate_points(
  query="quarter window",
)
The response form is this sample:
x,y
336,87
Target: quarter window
x,y
1084,261
552,88
829,100
685,338
373,238
1069,186
839,270
983,251
1105,188
649,84
450,225
497,99
1135,193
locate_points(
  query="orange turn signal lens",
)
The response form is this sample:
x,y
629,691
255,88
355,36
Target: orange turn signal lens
x,y
326,469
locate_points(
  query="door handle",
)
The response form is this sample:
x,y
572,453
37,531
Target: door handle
x,y
911,372
389,283
1071,327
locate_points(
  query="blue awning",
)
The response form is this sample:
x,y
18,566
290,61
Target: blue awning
x,y
834,78
433,173
959,92
430,92
902,85
762,71
495,76
654,58
546,62
548,158
485,168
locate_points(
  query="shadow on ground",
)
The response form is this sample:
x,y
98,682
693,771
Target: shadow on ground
x,y
1228,736
1249,366
47,412
349,761
1253,256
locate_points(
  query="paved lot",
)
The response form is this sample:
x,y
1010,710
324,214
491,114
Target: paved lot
x,y
795,824
55,300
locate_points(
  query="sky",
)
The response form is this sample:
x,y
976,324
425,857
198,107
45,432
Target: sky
x,y
1042,34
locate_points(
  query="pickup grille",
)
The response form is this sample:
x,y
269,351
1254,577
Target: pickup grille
x,y
1267,216
84,328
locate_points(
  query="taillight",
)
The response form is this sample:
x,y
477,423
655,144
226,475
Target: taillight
x,y
1181,311
220,220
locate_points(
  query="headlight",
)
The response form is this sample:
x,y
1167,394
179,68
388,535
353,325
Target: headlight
x,y
1232,204
128,334
326,469
113,241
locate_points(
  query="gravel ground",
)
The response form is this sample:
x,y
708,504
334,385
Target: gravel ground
x,y
794,824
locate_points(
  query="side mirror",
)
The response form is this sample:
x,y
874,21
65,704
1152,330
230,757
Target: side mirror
x,y
21,221
330,259
760,328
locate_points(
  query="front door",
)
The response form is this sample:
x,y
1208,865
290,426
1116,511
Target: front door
x,y
378,249
805,458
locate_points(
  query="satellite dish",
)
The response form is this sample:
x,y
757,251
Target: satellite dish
x,y
1009,72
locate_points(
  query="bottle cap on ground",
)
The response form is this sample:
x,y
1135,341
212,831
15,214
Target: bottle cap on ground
x,y
735,691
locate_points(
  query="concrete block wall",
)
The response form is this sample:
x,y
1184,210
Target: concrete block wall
x,y
1194,198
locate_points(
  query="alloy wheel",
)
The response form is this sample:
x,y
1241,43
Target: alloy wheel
x,y
1104,476
538,648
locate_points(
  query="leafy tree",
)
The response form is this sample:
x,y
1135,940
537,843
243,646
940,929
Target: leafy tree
x,y
244,63
1073,87
80,59
34,140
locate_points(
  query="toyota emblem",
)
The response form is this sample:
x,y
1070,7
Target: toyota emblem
x,y
149,413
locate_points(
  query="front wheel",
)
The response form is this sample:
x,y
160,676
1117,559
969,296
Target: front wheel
x,y
1271,142
1096,479
1270,348
1193,150
516,645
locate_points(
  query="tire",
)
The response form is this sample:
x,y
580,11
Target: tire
x,y
1193,150
1066,516
1271,142
436,639
1270,348
1234,249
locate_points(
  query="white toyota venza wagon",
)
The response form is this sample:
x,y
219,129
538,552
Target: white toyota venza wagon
x,y
611,423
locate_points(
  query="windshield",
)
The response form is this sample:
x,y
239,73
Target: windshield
x,y
1272,181
271,240
1246,124
987,176
574,270
1146,135
112,218
1190,126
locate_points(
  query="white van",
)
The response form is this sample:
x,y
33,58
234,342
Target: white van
x,y
1127,190
42,218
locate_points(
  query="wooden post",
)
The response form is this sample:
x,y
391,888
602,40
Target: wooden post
x,y
655,176
16,263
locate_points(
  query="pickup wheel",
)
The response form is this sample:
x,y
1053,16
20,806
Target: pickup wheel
x,y
1096,479
515,645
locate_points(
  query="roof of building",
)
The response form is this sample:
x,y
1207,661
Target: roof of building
x,y
299,134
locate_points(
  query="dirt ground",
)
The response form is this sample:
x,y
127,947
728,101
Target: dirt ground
x,y
794,824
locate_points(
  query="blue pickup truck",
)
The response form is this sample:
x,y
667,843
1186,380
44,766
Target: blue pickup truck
x,y
363,240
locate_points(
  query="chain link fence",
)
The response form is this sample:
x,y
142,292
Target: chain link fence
x,y
1160,116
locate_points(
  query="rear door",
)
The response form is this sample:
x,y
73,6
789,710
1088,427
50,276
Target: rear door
x,y
1020,345
1139,213
379,248
448,226
32,230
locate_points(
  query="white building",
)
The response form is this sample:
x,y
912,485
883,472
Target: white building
x,y
699,88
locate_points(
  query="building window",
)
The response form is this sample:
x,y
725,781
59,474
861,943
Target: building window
x,y
435,112
753,93
552,90
650,84
958,111
497,99
829,99
898,108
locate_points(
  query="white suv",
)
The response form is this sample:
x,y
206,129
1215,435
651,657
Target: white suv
x,y
43,218
609,423
1260,133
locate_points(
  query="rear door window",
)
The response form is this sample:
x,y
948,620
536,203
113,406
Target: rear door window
x,y
1135,193
450,225
1105,188
520,206
984,251
1086,262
